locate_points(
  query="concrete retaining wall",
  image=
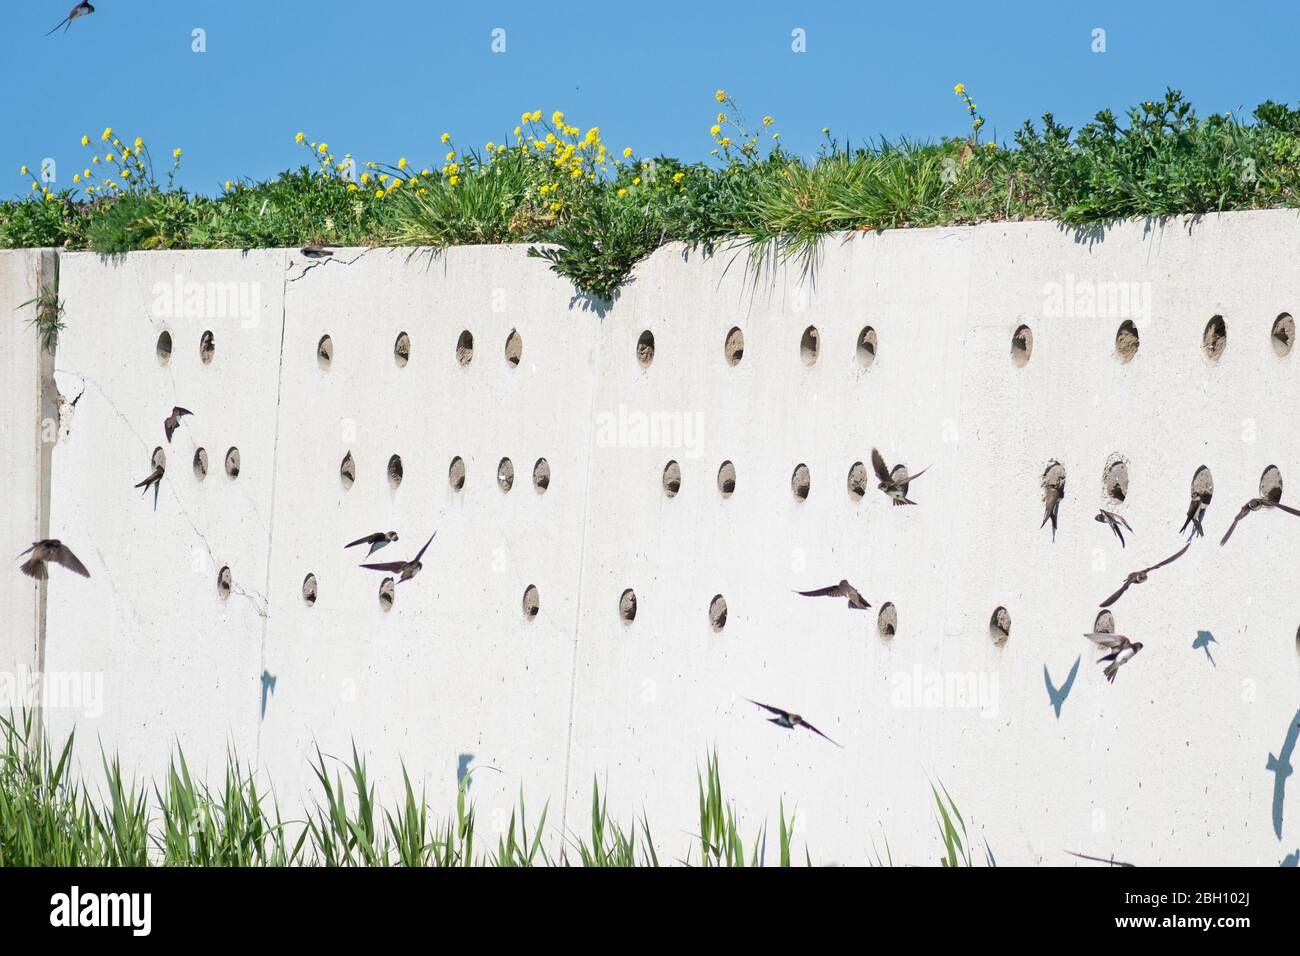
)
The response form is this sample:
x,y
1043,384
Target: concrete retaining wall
x,y
1168,764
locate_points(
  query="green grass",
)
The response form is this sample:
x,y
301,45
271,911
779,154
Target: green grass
x,y
593,215
49,818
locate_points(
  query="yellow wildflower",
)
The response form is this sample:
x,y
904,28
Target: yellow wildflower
x,y
108,134
299,138
446,137
85,141
960,89
720,96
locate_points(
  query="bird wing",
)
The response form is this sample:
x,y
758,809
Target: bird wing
x,y
769,708
832,591
153,476
368,539
879,467
1114,642
910,477
1245,510
1287,509
425,548
392,567
1172,558
1051,495
64,556
179,412
170,426
819,733
1118,594
1120,519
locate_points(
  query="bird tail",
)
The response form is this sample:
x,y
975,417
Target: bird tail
x,y
34,569
1274,765
1111,670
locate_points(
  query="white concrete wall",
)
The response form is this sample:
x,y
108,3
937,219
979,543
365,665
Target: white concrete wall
x,y
1166,765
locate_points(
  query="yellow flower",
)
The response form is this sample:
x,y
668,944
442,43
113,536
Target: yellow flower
x,y
627,152
35,187
557,118
126,174
715,130
451,156
722,117
725,141
636,181
365,178
22,171
323,148
446,137
126,152
678,177
379,194
401,163
228,185
299,138
139,143
622,192
768,121
453,180
76,178
85,141
95,160
176,153
86,173
108,134
720,96
555,207
353,187
109,157
537,116
960,89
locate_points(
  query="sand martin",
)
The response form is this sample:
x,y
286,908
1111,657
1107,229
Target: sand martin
x,y
1053,494
1056,696
405,570
42,552
1113,521
896,488
844,590
1137,577
155,481
380,539
1196,514
1121,650
173,421
316,251
82,9
789,721
1255,504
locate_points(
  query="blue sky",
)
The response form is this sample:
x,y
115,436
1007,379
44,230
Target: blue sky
x,y
384,80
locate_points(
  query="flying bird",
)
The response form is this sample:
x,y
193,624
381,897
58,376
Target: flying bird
x,y
1255,504
405,570
896,488
1056,696
82,9
43,552
1196,514
155,481
844,590
173,421
790,721
1097,859
1137,577
1121,650
1053,493
1280,767
380,539
1113,521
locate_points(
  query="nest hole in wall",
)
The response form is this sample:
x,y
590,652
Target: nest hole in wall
x,y
718,612
672,479
207,347
1104,623
532,603
232,463
1203,484
1054,477
456,474
810,345
159,458
867,347
200,463
627,606
325,352
727,479
505,475
164,347
402,350
1127,341
541,476
733,347
1114,481
1022,345
309,590
514,348
224,582
465,348
1000,626
857,481
395,472
347,471
387,594
1270,484
1215,338
645,348
887,621
801,482
1283,334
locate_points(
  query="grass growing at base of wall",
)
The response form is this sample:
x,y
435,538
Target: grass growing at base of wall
x,y
48,818
593,213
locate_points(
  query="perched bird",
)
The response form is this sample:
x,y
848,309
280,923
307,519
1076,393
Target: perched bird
x,y
1113,521
82,9
1196,514
43,552
1097,859
1137,577
896,488
1053,494
380,539
405,570
173,421
844,590
1255,504
316,251
1280,767
1056,696
789,721
155,481
1121,650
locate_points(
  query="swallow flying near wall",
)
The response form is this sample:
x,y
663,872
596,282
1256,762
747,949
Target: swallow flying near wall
x,y
380,539
1137,577
1122,650
173,421
895,488
82,9
155,481
1256,504
1113,521
790,721
1196,515
50,550
405,570
845,590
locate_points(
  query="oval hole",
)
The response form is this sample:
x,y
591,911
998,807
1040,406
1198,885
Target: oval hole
x,y
159,458
465,348
395,472
1104,623
1114,481
456,474
402,350
387,594
514,348
672,479
887,621
1203,484
734,346
1127,341
201,463
309,590
325,351
627,606
1000,626
810,345
541,476
224,583
531,603
505,475
801,482
1215,338
1270,484
1283,335
232,463
857,481
347,471
867,347
645,348
1022,345
727,479
718,612
207,347
164,348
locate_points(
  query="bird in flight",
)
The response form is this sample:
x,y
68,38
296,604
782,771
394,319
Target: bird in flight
x,y
790,721
155,481
896,488
380,539
1255,504
1122,650
844,590
1137,577
43,552
1113,521
405,570
1196,514
1056,696
173,421
82,9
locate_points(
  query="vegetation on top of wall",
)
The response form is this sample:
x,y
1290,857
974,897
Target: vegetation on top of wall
x,y
593,212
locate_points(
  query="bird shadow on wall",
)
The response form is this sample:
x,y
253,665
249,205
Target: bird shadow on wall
x,y
268,688
1280,767
1056,696
1202,643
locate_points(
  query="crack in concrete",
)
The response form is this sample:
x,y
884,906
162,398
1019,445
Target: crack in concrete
x,y
323,262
